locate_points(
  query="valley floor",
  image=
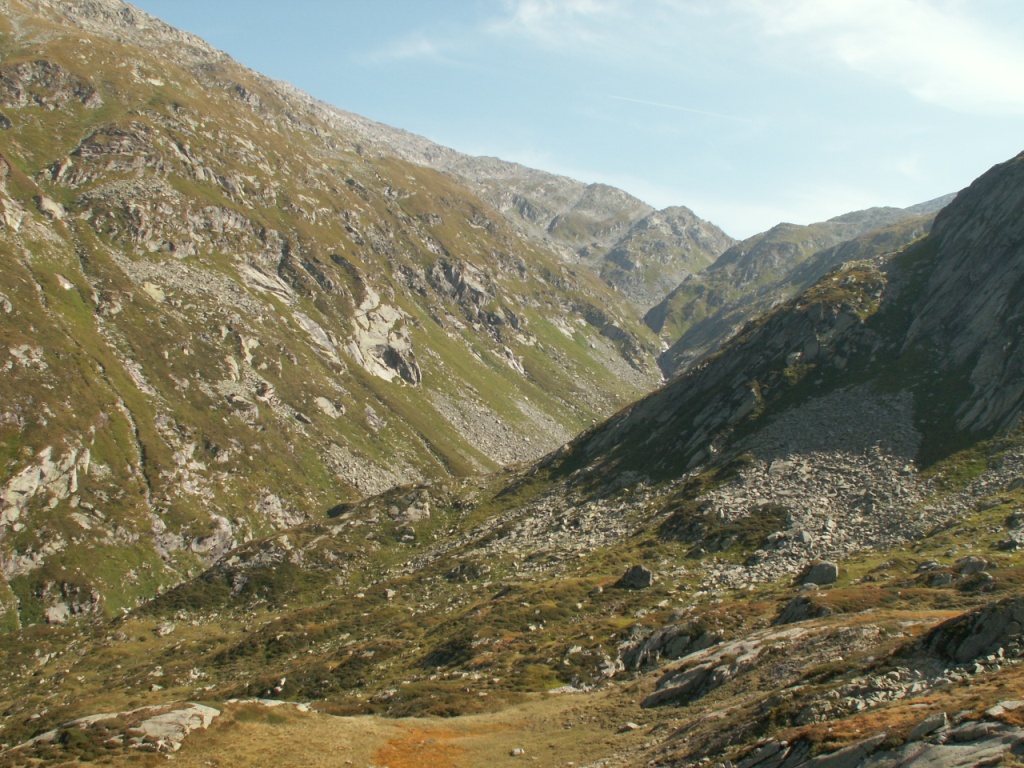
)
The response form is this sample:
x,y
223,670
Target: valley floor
x,y
547,730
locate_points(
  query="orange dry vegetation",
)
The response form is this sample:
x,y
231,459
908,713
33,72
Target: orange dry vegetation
x,y
422,748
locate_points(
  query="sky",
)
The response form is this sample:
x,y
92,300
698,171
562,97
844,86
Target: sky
x,y
749,112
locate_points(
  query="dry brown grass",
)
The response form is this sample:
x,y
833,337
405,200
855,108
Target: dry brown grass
x,y
552,729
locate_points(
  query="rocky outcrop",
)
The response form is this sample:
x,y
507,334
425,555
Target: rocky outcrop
x,y
995,629
381,342
42,83
148,729
47,481
704,671
968,744
668,643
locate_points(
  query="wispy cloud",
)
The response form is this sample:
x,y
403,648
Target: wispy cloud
x,y
415,46
558,23
680,108
931,48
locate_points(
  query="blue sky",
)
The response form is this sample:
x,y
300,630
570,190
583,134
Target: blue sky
x,y
750,112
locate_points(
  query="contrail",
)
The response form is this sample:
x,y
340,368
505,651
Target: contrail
x,y
678,108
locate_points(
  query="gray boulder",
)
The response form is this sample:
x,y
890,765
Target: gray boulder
x,y
822,573
636,577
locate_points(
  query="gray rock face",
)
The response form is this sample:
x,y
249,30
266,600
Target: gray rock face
x,y
151,729
929,725
967,745
167,731
973,295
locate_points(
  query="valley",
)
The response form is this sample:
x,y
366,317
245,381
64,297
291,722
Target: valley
x,y
325,445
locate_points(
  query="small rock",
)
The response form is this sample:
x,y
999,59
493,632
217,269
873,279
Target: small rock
x,y
517,752
1003,707
931,724
630,726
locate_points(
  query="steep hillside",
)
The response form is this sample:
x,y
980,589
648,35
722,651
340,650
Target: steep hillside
x,y
807,550
221,317
755,275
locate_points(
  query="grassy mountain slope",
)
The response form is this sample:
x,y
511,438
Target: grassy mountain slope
x,y
221,317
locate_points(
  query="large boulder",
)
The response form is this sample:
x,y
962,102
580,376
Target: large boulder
x,y
822,573
637,577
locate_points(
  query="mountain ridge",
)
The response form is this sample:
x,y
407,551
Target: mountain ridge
x,y
702,312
